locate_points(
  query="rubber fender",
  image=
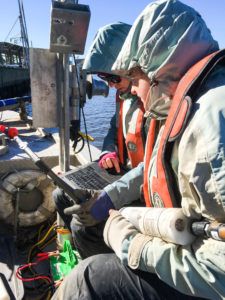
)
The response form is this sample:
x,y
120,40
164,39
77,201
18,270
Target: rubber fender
x,y
26,180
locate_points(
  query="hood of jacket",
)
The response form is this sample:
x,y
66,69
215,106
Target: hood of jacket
x,y
105,48
166,39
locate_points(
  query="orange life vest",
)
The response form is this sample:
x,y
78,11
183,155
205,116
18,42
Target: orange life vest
x,y
163,189
132,142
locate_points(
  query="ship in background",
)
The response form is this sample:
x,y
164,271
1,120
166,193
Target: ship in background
x,y
14,62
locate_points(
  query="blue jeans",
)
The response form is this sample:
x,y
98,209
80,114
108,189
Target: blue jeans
x,y
87,240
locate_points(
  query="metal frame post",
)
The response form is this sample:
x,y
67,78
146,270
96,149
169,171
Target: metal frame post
x,y
64,158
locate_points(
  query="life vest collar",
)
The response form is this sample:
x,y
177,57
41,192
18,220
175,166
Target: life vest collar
x,y
163,184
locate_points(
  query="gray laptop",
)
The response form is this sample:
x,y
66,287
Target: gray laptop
x,y
89,176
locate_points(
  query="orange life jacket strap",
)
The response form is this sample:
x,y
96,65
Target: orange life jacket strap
x,y
161,184
135,141
148,153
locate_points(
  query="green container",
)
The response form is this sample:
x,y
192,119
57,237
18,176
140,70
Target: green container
x,y
65,262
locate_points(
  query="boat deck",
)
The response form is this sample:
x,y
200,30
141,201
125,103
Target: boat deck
x,y
45,143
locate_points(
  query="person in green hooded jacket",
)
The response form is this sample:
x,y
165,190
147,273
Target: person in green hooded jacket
x,y
126,126
165,45
123,146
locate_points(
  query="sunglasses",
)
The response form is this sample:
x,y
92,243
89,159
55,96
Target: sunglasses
x,y
109,77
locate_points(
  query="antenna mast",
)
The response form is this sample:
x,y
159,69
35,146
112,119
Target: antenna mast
x,y
24,35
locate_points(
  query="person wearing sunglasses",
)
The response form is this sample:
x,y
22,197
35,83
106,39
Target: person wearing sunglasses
x,y
110,78
123,146
120,144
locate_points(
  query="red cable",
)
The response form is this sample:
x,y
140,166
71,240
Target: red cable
x,y
32,278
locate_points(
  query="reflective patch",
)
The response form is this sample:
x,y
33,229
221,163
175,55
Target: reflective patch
x,y
132,147
157,201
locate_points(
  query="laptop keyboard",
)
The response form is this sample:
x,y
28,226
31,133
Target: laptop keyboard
x,y
87,179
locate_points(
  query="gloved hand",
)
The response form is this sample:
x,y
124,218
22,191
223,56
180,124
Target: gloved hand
x,y
92,211
110,160
120,235
117,234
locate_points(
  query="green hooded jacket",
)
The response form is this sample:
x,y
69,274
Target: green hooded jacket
x,y
100,58
167,39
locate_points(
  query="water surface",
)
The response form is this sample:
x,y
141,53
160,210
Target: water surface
x,y
98,113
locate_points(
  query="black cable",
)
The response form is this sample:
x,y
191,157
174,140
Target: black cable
x,y
11,30
85,128
85,125
80,138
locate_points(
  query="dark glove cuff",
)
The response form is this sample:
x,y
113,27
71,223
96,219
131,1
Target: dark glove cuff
x,y
100,209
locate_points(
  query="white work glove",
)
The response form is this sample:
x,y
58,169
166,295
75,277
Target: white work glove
x,y
118,235
82,212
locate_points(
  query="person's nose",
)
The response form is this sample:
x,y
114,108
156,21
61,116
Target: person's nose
x,y
133,90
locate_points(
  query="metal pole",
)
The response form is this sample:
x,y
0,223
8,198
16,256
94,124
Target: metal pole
x,y
64,159
64,129
64,124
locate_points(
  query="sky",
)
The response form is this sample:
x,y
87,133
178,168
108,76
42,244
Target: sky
x,y
102,12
